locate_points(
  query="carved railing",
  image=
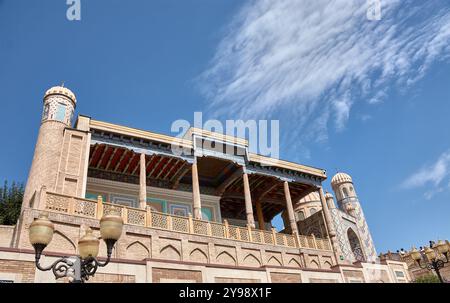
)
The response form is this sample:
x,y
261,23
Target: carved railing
x,y
149,218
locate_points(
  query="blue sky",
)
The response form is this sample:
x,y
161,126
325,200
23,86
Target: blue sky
x,y
370,98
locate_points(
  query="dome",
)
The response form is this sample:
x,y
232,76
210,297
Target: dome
x,y
311,197
61,90
328,196
340,178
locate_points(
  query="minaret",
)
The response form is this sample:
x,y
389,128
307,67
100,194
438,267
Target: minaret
x,y
58,110
348,202
330,200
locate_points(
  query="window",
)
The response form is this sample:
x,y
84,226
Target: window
x,y
355,245
312,211
345,192
300,216
399,274
61,112
207,213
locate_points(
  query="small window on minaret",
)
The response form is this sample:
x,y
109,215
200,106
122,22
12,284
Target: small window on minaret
x,y
345,192
61,112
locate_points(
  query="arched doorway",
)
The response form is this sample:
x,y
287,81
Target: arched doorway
x,y
355,245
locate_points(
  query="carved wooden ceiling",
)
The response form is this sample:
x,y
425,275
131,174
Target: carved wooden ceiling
x,y
216,177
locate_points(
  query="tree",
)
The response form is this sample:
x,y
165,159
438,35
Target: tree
x,y
10,203
430,278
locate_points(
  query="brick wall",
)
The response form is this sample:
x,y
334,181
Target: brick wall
x,y
106,278
175,274
24,268
278,277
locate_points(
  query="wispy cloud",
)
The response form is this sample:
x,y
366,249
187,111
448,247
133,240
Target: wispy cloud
x,y
313,60
432,175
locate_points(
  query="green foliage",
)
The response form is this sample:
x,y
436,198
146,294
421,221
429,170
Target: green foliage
x,y
430,278
11,197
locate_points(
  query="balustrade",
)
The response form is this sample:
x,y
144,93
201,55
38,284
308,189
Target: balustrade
x,y
152,219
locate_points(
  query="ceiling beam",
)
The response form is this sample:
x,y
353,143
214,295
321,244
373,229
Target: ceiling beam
x,y
180,174
115,149
149,163
93,154
164,167
170,170
129,162
102,156
234,176
124,153
137,166
271,186
155,166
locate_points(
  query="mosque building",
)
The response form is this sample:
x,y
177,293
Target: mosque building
x,y
200,215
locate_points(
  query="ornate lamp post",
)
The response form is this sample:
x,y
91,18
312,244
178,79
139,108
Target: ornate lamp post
x,y
432,257
77,268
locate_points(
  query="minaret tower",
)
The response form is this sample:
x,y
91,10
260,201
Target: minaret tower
x,y
348,202
59,107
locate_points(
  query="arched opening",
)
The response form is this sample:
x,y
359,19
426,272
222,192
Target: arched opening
x,y
355,245
345,192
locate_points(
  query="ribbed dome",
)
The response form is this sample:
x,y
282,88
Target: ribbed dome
x,y
341,178
311,197
61,90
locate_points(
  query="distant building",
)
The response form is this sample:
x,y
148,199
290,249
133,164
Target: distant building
x,y
201,215
415,271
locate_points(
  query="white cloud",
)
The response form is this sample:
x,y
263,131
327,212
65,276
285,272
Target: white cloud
x,y
313,60
431,175
365,117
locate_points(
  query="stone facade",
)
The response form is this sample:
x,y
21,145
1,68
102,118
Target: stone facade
x,y
6,235
278,277
175,275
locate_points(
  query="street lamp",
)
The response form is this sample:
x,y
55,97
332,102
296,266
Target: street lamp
x,y
77,268
431,258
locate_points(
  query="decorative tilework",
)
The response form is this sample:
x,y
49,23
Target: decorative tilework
x,y
124,200
94,196
207,213
180,209
158,205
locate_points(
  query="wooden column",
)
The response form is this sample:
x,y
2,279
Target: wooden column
x,y
260,215
248,201
330,226
196,191
290,208
142,183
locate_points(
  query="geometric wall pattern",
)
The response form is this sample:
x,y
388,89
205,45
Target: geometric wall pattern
x,y
342,222
357,223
